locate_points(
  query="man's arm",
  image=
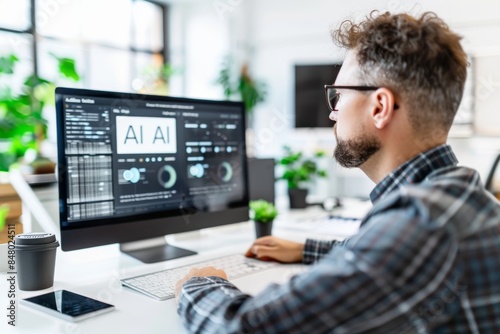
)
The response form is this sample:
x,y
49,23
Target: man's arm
x,y
303,305
315,250
355,288
272,248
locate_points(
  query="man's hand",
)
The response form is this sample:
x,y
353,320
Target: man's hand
x,y
272,248
195,272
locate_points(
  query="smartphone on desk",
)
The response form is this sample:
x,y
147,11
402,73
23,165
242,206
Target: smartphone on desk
x,y
67,305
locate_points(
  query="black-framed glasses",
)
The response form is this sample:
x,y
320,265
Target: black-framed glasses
x,y
333,95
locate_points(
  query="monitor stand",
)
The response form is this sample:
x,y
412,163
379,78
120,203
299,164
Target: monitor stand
x,y
153,250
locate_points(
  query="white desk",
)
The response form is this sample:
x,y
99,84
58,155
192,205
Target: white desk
x,y
96,273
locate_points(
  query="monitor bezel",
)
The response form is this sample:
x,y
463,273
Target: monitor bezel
x,y
139,227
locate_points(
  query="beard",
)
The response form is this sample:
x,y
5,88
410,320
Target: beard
x,y
352,153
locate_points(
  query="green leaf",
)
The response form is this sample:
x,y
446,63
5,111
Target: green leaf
x,y
298,170
263,211
309,166
167,71
224,78
7,64
68,69
322,173
251,93
303,174
34,80
319,154
6,159
4,210
241,85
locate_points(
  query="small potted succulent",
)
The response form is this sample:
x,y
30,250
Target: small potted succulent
x,y
263,213
298,171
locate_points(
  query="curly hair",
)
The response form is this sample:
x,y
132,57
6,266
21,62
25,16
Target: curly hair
x,y
420,59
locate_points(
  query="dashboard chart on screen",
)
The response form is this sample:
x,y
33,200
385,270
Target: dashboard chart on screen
x,y
126,156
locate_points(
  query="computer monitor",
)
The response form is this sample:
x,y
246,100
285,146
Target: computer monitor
x,y
133,167
261,179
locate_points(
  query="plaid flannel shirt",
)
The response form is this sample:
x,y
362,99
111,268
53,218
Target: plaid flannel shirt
x,y
426,259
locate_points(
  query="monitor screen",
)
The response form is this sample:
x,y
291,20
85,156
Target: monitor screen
x,y
135,167
311,110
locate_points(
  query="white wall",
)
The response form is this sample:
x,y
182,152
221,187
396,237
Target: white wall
x,y
274,35
201,35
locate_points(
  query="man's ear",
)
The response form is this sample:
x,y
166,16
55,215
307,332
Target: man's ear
x,y
384,105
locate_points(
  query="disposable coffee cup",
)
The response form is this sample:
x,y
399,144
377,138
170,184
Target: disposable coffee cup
x,y
35,260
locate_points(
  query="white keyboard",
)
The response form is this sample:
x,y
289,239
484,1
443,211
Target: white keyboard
x,y
160,285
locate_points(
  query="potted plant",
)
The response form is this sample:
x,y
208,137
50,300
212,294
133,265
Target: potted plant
x,y
22,125
155,77
263,213
298,171
241,86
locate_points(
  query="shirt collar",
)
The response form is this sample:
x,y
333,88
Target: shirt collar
x,y
415,170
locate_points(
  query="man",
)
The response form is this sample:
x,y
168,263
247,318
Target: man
x,y
427,256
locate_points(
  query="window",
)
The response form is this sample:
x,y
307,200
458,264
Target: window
x,y
112,41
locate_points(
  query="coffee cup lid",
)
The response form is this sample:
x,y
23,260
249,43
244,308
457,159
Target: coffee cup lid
x,y
35,238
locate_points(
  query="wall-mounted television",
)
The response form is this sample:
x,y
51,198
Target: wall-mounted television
x,y
311,110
